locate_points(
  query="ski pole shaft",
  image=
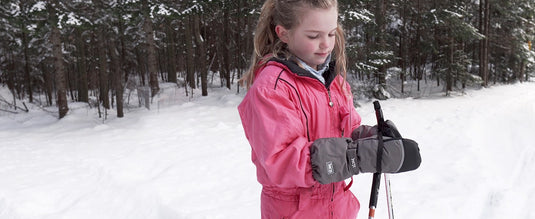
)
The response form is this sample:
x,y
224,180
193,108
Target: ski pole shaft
x,y
373,194
389,200
377,176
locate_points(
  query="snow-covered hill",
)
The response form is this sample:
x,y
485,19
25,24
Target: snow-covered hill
x,y
190,159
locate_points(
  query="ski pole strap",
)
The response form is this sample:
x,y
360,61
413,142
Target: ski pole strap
x,y
349,185
380,155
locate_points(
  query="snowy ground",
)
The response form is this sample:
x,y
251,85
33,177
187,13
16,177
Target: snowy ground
x,y
190,159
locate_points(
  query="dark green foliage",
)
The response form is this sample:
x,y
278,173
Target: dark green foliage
x,y
389,42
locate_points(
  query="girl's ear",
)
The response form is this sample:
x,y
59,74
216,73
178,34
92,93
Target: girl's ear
x,y
282,33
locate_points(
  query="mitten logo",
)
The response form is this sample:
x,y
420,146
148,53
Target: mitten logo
x,y
330,168
353,163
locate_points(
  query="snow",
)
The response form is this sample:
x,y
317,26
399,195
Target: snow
x,y
361,16
38,6
162,10
189,159
14,9
454,13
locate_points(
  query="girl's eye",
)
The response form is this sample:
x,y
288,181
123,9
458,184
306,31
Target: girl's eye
x,y
332,35
313,37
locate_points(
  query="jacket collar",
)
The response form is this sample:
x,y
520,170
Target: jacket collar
x,y
329,74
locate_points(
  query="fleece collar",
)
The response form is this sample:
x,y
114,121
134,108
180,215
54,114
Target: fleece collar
x,y
321,68
329,74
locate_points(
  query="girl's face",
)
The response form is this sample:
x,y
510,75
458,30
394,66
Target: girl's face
x,y
314,38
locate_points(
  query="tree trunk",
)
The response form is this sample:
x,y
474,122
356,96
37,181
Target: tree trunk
x,y
60,72
171,72
239,50
151,52
57,54
103,71
381,25
484,43
48,83
118,79
202,55
226,46
449,72
82,69
70,78
120,71
27,77
487,40
141,67
11,81
190,62
403,46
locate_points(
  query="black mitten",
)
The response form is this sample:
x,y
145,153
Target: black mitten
x,y
365,131
390,130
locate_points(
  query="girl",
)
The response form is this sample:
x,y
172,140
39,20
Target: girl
x,y
299,105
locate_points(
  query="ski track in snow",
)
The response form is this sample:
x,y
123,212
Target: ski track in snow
x,y
191,160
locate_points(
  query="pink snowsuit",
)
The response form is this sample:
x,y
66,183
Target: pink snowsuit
x,y
282,114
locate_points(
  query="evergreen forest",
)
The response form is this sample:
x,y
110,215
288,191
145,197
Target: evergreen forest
x,y
56,52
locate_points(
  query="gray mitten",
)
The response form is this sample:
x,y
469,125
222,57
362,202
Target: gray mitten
x,y
336,159
364,131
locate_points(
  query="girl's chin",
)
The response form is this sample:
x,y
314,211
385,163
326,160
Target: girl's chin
x,y
316,61
320,60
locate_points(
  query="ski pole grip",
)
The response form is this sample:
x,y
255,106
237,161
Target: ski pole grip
x,y
380,126
379,115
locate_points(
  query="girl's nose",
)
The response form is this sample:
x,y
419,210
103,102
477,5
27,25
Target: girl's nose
x,y
324,43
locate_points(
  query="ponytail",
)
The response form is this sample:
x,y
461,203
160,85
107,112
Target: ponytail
x,y
341,60
265,40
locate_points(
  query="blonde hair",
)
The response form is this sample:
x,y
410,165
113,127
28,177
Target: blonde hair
x,y
286,13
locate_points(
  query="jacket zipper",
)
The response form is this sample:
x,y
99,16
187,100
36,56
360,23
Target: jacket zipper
x,y
332,196
330,100
332,202
331,104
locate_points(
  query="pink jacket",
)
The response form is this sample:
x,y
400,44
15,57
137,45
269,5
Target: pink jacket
x,y
283,112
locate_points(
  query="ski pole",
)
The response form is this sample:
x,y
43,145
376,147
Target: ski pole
x,y
377,176
389,200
